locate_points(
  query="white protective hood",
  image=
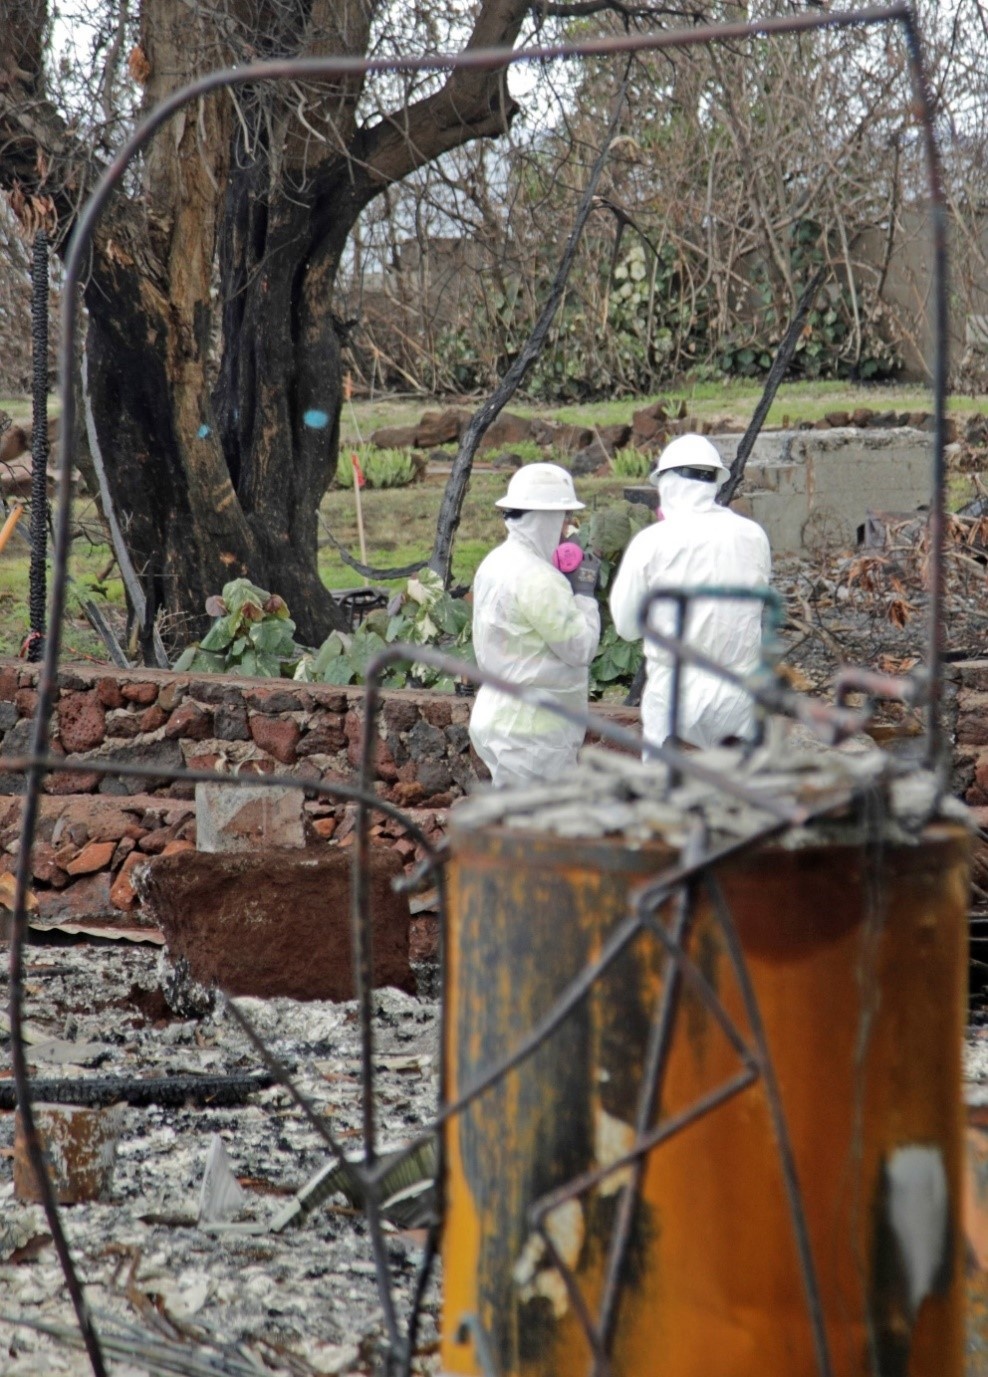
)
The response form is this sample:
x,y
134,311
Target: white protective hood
x,y
698,543
529,629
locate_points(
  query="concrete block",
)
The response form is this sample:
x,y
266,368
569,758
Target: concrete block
x,y
811,489
239,818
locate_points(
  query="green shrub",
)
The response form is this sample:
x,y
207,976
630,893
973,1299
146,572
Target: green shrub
x,y
383,468
252,634
631,463
424,614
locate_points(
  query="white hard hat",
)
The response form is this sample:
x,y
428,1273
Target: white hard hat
x,y
540,488
688,452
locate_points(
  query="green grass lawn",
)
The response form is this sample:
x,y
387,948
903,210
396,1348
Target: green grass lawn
x,y
400,522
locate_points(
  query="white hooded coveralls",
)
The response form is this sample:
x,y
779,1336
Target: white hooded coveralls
x,y
696,543
529,628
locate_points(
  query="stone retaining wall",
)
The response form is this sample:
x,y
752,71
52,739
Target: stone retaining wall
x,y
95,829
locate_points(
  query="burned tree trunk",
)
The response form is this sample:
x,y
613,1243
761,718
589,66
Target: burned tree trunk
x,y
215,469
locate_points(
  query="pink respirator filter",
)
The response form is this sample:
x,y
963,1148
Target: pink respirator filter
x,y
567,557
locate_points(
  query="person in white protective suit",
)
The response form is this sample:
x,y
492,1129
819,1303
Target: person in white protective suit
x,y
535,626
695,543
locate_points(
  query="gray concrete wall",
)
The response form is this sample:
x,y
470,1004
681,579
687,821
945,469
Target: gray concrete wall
x,y
810,489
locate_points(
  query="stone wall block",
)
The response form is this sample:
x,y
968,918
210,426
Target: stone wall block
x,y
145,694
189,722
121,723
972,719
85,782
26,702
108,693
81,721
438,711
279,736
230,722
152,718
426,742
273,700
325,738
458,737
171,695
94,856
400,714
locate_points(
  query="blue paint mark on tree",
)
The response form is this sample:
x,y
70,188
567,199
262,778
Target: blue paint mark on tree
x,y
316,419
202,432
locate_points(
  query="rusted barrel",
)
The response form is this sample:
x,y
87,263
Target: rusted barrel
x,y
856,953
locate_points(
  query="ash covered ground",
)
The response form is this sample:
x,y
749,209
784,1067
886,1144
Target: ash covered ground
x,y
304,1301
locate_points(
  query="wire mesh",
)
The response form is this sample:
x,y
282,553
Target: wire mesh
x,y
680,883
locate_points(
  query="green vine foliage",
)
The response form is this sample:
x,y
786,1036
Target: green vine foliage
x,y
424,614
253,633
828,346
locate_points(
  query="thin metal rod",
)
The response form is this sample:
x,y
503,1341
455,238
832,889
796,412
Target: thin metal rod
x,y
653,1080
37,596
937,630
676,1123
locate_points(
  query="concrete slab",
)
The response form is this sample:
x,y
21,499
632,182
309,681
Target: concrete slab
x,y
239,819
810,489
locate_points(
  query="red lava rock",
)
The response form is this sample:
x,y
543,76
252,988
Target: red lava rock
x,y
405,848
438,713
87,782
86,899
95,856
277,735
408,794
324,827
272,922
26,702
384,765
81,721
190,722
152,718
123,895
174,848
153,843
45,867
145,694
8,684
108,693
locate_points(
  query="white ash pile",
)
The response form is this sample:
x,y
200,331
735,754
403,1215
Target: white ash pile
x,y
302,1301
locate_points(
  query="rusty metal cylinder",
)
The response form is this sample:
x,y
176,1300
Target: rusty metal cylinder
x,y
80,1147
856,955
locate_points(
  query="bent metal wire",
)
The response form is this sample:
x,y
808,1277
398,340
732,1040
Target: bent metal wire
x,y
696,866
